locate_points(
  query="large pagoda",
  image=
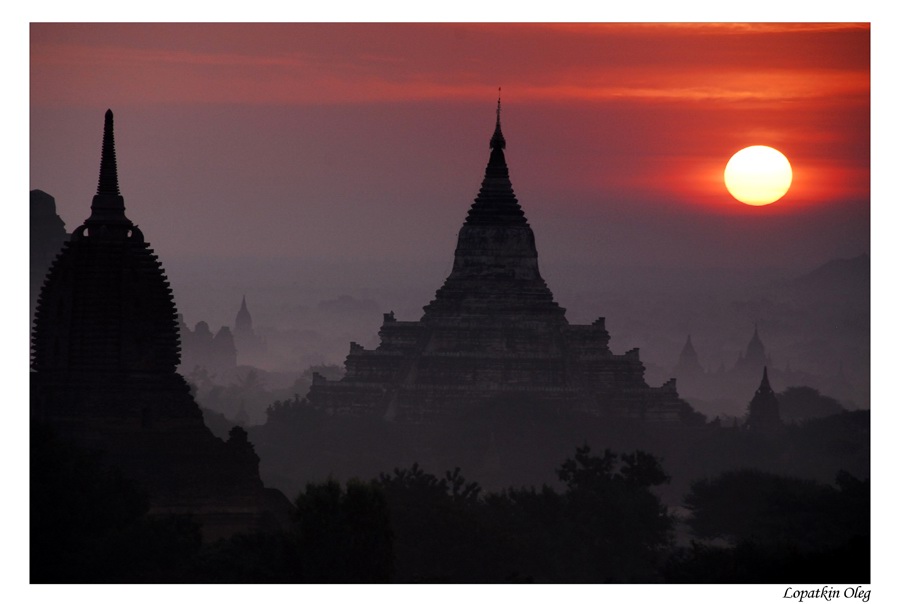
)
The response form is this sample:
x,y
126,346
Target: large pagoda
x,y
494,333
105,347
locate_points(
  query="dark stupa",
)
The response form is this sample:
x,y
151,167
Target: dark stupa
x,y
105,348
763,412
494,333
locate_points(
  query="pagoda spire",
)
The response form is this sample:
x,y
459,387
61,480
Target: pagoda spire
x,y
497,140
764,387
108,183
496,202
108,206
496,167
495,265
243,323
763,413
688,354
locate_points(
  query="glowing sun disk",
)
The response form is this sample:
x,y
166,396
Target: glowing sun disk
x,y
758,175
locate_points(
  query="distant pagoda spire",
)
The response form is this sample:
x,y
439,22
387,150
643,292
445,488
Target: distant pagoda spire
x,y
763,414
764,388
756,351
108,206
688,365
243,323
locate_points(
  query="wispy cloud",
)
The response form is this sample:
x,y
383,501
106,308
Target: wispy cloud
x,y
190,76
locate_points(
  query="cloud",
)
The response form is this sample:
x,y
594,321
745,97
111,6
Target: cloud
x,y
70,72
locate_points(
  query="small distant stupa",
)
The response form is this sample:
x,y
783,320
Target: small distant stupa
x,y
494,335
688,366
763,414
250,347
755,357
201,350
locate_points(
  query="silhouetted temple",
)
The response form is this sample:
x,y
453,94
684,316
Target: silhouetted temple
x,y
47,232
763,413
754,357
688,366
494,332
250,346
201,350
105,348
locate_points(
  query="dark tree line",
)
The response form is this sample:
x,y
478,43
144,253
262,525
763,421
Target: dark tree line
x,y
89,523
602,523
778,529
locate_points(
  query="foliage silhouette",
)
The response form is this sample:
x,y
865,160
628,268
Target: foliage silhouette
x,y
778,528
608,526
802,403
748,505
89,523
604,522
344,534
438,534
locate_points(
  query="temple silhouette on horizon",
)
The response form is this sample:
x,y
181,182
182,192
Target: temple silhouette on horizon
x,y
47,233
105,350
763,414
493,335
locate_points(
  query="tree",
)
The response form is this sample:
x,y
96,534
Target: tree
x,y
438,535
779,529
89,523
750,505
344,534
616,523
801,403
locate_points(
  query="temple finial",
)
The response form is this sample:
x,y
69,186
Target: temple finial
x,y
764,384
108,183
497,140
108,207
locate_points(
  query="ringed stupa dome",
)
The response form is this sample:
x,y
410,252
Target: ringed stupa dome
x,y
106,305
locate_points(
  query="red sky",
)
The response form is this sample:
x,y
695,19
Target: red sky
x,y
370,140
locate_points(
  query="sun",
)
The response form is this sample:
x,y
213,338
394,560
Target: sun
x,y
758,175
